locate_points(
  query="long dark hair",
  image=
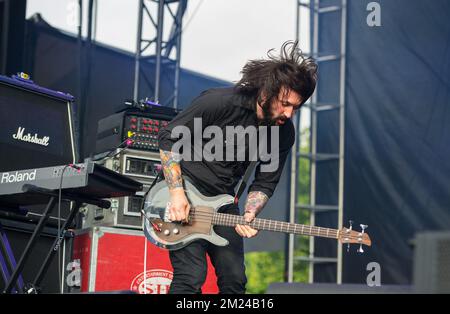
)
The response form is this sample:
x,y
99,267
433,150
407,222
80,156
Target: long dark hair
x,y
290,69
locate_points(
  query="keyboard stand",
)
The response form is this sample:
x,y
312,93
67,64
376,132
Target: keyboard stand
x,y
53,198
7,260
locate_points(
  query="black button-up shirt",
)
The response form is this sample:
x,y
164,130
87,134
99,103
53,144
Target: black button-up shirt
x,y
223,107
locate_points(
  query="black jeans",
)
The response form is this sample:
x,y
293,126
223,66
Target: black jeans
x,y
190,265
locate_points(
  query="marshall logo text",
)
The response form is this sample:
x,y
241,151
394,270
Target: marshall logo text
x,y
44,141
18,177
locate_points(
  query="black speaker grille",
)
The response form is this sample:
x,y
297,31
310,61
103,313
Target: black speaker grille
x,y
35,130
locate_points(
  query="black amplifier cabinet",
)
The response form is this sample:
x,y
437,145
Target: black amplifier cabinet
x,y
115,129
36,126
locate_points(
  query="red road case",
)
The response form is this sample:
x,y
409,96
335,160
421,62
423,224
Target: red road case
x,y
114,259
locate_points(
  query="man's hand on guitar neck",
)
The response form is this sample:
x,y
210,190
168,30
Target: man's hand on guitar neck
x,y
245,230
253,205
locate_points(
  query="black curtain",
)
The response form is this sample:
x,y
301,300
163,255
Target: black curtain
x,y
397,165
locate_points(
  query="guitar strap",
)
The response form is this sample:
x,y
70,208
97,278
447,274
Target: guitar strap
x,y
243,183
244,180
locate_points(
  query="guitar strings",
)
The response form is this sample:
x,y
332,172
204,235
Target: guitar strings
x,y
332,234
199,215
335,234
206,215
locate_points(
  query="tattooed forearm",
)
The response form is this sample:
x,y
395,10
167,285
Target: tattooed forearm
x,y
255,202
170,163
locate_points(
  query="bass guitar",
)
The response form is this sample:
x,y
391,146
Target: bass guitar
x,y
204,215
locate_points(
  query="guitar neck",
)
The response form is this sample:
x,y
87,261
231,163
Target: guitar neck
x,y
274,225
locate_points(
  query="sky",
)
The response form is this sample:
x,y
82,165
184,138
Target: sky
x,y
219,36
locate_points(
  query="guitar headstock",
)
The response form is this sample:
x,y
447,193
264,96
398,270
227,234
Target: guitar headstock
x,y
349,236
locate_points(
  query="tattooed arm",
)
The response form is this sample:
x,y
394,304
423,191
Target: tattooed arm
x,y
171,167
179,205
256,200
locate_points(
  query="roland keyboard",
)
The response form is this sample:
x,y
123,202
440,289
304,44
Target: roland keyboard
x,y
85,179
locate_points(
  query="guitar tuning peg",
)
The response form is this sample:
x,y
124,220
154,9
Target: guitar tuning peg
x,y
360,250
363,227
351,226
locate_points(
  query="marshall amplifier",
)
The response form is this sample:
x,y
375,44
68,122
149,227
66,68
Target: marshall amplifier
x,y
36,131
36,126
141,126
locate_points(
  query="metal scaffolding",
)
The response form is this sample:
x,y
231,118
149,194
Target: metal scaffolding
x,y
319,12
162,47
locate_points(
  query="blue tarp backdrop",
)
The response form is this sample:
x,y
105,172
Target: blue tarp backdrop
x,y
397,136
